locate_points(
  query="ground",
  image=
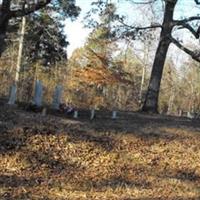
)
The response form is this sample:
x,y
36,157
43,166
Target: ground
x,y
134,157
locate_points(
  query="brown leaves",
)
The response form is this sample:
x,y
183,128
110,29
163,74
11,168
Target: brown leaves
x,y
137,158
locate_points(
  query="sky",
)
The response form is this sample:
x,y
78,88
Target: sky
x,y
77,34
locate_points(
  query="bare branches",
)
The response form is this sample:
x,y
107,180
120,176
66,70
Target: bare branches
x,y
102,59
152,26
138,28
142,2
26,9
197,2
186,20
185,24
192,30
194,55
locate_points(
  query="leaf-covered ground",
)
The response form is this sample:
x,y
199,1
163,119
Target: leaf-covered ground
x,y
134,157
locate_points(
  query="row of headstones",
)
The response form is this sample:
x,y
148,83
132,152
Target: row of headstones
x,y
92,114
190,115
38,94
37,99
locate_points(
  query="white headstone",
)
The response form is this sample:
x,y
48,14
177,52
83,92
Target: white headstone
x,y
75,114
114,114
92,114
190,115
57,97
13,93
38,93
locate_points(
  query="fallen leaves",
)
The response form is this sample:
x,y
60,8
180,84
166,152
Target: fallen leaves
x,y
138,158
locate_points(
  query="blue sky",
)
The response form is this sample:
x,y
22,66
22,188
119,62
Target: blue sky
x,y
77,34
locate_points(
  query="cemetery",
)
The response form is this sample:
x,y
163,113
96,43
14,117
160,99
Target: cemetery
x,y
49,156
99,100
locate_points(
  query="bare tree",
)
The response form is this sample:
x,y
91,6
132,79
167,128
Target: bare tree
x,y
151,100
167,27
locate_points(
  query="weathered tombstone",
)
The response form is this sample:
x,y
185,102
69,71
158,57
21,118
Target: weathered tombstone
x,y
44,112
92,114
13,93
75,114
57,97
190,115
114,114
180,113
38,93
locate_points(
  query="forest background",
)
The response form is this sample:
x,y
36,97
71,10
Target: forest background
x,y
103,72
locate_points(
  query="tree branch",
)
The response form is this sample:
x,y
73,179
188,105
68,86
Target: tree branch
x,y
197,2
184,24
147,2
26,10
186,20
103,61
191,29
152,26
194,55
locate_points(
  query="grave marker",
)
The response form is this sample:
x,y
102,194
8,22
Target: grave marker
x,y
57,97
114,114
75,114
13,93
38,93
92,114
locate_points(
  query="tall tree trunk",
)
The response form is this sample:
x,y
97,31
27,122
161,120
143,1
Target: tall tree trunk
x,y
20,87
4,19
14,88
20,51
151,99
3,29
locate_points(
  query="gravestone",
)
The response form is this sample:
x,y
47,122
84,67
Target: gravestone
x,y
38,93
180,113
75,114
13,93
44,112
114,115
92,114
190,115
57,97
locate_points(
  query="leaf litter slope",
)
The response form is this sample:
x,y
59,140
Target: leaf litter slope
x,y
134,157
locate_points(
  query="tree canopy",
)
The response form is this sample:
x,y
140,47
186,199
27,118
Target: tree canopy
x,y
18,8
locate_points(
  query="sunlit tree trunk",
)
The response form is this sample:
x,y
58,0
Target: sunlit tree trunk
x,y
20,51
14,88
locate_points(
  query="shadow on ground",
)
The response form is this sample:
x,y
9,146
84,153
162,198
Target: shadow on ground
x,y
136,156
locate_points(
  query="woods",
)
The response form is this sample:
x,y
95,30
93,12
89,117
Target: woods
x,y
99,99
44,50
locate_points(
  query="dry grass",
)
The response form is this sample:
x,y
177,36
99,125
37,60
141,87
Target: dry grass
x,y
133,157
